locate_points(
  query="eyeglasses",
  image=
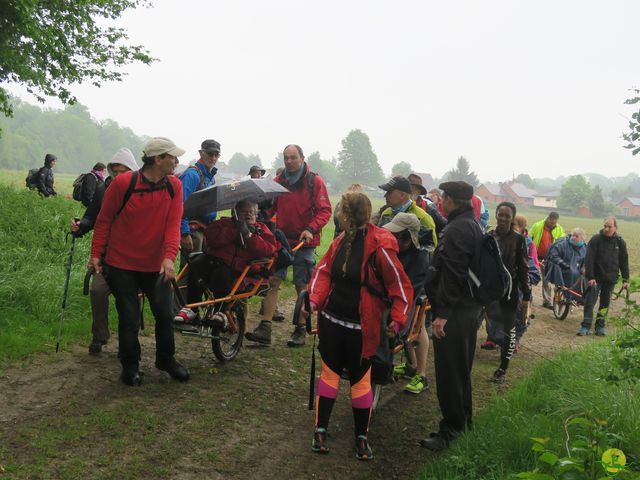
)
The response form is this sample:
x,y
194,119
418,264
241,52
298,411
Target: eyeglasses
x,y
211,154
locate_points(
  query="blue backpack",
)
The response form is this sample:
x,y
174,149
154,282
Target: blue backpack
x,y
489,279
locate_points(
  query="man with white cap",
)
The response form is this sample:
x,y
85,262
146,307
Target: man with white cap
x,y
123,161
415,259
135,244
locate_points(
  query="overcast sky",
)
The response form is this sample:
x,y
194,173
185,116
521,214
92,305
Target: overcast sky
x,y
514,86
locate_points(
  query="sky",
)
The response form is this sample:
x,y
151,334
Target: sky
x,y
513,86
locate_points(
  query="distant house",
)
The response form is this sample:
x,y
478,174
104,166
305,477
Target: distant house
x,y
584,212
546,200
491,192
630,206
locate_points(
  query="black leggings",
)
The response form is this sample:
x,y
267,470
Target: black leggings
x,y
508,314
206,271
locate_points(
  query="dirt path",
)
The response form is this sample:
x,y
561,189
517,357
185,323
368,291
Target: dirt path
x,y
67,416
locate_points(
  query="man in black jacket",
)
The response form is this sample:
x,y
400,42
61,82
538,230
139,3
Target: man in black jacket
x,y
455,313
606,256
45,176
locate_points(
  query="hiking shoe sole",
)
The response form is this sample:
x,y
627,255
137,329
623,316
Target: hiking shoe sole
x,y
249,336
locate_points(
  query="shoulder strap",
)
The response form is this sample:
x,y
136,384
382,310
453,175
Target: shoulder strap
x,y
311,176
129,192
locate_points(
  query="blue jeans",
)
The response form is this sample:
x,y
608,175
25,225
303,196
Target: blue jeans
x,y
125,285
604,290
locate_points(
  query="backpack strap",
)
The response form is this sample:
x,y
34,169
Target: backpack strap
x,y
311,176
129,192
200,175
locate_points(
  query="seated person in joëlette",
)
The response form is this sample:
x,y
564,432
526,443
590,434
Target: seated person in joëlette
x,y
231,245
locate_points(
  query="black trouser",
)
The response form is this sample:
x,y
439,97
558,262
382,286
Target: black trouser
x,y
124,285
605,290
453,356
508,314
212,273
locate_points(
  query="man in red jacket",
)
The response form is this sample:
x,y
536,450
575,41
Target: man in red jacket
x,y
301,214
135,243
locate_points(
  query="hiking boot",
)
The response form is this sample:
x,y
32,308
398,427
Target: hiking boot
x,y
173,368
499,376
489,345
319,444
600,332
418,384
583,332
261,334
297,337
363,449
434,442
131,376
278,316
95,347
404,370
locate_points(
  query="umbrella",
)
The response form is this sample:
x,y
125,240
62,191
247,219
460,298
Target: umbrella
x,y
226,195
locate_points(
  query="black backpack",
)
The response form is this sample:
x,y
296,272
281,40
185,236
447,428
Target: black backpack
x,y
489,279
132,189
32,178
78,188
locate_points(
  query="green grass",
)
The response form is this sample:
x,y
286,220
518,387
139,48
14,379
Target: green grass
x,y
500,446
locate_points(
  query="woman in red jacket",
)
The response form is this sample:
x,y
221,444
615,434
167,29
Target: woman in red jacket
x,y
361,261
231,245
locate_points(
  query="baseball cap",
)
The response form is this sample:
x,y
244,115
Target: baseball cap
x,y
397,183
210,146
160,146
405,221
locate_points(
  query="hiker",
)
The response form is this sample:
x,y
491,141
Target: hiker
x,y
195,178
123,161
607,256
87,184
418,192
135,244
398,198
44,181
415,260
301,215
354,187
256,172
565,261
480,211
544,233
232,243
455,313
513,250
349,321
524,314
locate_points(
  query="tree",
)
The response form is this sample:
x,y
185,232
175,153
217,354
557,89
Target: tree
x,y
526,180
633,135
402,169
47,45
463,172
325,168
240,163
596,201
574,193
357,162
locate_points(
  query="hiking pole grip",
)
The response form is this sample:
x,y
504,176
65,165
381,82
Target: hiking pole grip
x,y
178,292
87,279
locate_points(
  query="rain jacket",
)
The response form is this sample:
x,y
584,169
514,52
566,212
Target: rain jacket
x,y
535,232
425,219
606,256
296,211
190,179
380,265
564,262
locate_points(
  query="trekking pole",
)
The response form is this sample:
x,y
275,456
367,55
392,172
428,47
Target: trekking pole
x,y
66,288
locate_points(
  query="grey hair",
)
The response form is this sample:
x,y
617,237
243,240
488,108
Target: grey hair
x,y
614,219
578,231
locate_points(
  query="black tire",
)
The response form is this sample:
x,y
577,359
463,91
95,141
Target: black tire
x,y
561,306
227,345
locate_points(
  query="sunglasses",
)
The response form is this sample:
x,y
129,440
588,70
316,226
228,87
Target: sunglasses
x,y
212,154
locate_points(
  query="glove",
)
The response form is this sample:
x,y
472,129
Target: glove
x,y
243,228
564,266
252,228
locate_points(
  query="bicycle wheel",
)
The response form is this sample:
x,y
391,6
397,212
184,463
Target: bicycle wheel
x,y
227,344
377,393
561,306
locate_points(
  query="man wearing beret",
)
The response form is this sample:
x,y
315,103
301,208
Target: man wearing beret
x,y
398,197
455,313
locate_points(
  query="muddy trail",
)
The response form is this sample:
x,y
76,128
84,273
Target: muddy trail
x,y
66,415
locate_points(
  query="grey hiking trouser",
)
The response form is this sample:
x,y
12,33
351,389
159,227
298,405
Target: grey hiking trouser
x,y
99,296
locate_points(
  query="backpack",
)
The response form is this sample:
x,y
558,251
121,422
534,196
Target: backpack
x,y
132,189
32,178
490,281
78,188
200,175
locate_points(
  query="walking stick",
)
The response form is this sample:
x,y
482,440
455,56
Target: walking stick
x,y
66,290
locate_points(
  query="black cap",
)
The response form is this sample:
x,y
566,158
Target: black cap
x,y
210,146
459,189
257,168
397,183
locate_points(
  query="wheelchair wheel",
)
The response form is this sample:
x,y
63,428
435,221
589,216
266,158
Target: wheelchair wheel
x,y
561,306
377,393
227,344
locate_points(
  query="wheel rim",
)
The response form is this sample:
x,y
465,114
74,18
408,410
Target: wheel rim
x,y
229,343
